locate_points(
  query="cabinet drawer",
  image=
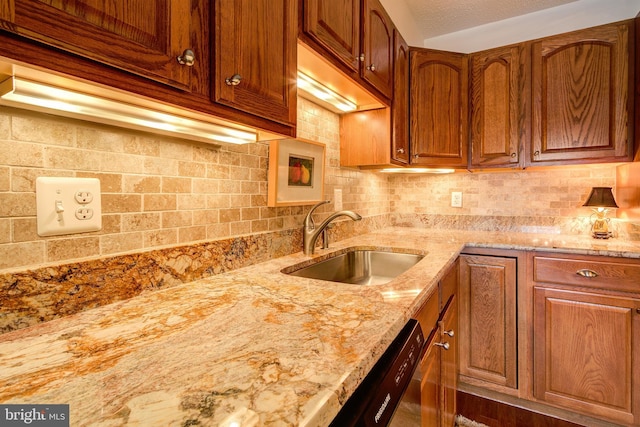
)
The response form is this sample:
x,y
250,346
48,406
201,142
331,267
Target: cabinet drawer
x,y
428,315
618,274
448,285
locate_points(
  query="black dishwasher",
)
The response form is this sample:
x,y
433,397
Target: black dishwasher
x,y
374,402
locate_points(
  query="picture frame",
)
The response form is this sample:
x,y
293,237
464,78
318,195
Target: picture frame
x,y
296,172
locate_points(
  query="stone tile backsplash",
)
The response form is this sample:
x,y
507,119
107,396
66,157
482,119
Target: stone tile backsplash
x,y
157,191
175,211
161,192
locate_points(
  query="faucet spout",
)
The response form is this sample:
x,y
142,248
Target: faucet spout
x,y
310,232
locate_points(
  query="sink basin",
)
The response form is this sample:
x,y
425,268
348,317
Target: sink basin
x,y
358,266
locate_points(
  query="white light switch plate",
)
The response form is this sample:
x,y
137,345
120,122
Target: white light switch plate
x,y
456,199
68,205
337,199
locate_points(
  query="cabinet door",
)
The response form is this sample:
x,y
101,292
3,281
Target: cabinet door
x,y
400,106
430,395
378,47
488,319
586,353
335,25
255,57
581,92
498,109
439,108
449,363
143,37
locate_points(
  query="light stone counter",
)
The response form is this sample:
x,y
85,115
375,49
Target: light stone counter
x,y
253,345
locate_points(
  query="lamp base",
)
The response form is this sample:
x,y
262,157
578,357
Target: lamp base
x,y
601,235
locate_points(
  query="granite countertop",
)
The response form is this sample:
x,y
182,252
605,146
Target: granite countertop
x,y
252,346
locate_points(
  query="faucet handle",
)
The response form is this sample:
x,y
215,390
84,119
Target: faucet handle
x,y
308,220
317,205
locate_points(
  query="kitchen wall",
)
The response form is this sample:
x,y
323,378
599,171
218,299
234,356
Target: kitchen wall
x,y
157,191
542,200
160,192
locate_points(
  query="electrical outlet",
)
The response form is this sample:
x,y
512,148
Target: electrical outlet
x,y
67,205
456,199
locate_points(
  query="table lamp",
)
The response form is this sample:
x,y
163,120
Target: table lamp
x,y
599,200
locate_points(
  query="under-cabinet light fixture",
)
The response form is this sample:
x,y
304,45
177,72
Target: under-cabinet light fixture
x,y
417,170
324,94
24,93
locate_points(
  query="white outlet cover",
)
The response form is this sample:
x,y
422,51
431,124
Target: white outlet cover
x,y
57,204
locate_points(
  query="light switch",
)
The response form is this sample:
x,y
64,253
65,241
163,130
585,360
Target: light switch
x,y
68,205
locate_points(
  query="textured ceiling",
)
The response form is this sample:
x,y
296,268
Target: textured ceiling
x,y
437,17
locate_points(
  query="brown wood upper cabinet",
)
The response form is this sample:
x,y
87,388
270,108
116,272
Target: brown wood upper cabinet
x,y
357,36
255,57
581,96
439,108
162,49
377,49
499,108
142,37
400,105
335,25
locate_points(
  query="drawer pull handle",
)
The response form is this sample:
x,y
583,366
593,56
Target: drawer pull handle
x,y
586,273
233,80
444,345
187,58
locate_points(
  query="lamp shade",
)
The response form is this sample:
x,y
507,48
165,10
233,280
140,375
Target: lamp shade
x,y
601,197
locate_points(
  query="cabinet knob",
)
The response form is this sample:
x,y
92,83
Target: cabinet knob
x,y
187,58
400,151
586,273
536,153
371,67
449,333
513,155
444,345
361,57
233,80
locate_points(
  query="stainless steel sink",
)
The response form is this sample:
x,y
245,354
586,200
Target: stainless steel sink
x,y
358,266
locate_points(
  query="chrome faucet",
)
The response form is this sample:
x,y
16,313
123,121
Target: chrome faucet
x,y
310,233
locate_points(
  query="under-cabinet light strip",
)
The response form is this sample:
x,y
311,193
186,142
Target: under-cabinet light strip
x,y
417,170
324,93
24,93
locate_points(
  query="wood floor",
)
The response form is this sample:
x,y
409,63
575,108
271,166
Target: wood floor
x,y
496,414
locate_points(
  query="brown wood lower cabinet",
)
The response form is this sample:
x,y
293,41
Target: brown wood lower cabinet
x,y
586,352
430,385
488,319
586,336
552,333
448,327
439,368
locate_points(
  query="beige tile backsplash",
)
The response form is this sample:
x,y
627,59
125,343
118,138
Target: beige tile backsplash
x,y
160,191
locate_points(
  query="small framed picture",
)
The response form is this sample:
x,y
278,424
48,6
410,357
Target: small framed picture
x,y
296,172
